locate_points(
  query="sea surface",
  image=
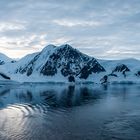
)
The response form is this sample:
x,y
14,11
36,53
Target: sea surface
x,y
69,112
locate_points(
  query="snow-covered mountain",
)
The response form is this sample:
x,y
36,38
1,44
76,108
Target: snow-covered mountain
x,y
61,63
4,59
122,71
64,63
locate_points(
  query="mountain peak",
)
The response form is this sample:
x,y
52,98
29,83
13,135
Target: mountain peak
x,y
49,47
66,46
52,47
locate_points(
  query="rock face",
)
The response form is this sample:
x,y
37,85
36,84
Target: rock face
x,y
104,79
121,68
71,78
92,66
63,60
5,76
138,74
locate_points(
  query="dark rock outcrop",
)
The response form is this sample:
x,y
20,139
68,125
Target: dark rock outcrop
x,y
5,76
112,74
104,79
138,73
92,67
2,62
121,68
71,78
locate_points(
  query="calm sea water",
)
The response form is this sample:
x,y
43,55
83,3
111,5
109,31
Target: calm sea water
x,y
62,112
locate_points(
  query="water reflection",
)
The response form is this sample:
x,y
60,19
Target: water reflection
x,y
52,95
66,112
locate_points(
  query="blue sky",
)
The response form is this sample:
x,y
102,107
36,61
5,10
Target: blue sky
x,y
107,29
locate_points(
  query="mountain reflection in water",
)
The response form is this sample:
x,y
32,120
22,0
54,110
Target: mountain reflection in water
x,y
67,112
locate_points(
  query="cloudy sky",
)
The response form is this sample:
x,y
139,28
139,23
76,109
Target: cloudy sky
x,y
108,29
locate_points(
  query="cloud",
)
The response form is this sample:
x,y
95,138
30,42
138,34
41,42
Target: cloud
x,y
23,45
10,26
103,29
72,23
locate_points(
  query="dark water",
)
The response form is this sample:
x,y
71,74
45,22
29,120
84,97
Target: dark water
x,y
62,112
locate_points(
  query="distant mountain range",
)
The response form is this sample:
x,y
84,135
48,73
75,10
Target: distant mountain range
x,y
66,64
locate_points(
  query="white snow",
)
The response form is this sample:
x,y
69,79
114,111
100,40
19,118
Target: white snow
x,y
109,65
5,58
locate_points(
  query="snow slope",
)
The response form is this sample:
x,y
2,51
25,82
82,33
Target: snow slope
x,y
129,77
4,59
109,65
